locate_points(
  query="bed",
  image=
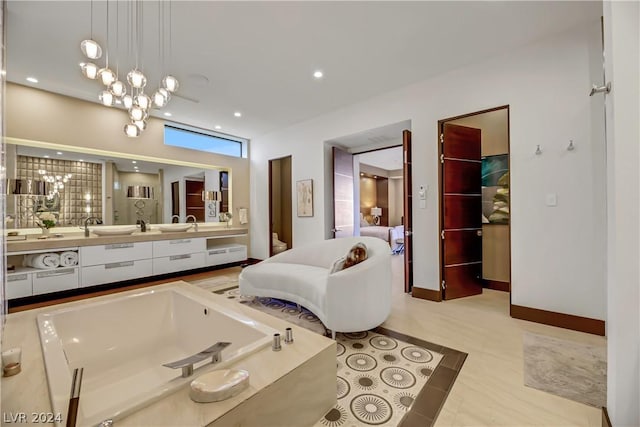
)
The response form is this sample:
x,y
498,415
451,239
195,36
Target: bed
x,y
378,231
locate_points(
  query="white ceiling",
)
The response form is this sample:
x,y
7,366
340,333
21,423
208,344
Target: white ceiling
x,y
388,159
258,57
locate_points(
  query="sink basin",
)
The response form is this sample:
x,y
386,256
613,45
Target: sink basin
x,y
175,227
114,231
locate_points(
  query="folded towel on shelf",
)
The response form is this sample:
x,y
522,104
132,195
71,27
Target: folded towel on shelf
x,y
46,260
68,259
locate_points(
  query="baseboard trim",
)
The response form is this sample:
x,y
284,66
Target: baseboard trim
x,y
562,320
428,294
606,422
497,285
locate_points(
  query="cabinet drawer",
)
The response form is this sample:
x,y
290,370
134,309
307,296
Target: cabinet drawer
x,y
54,280
164,248
225,254
180,262
106,254
18,285
116,272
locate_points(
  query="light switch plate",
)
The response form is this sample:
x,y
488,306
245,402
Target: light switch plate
x,y
552,199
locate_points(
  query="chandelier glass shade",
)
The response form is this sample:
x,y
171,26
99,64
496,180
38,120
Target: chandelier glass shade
x,y
136,79
91,49
107,99
118,89
107,76
133,98
131,130
170,83
90,70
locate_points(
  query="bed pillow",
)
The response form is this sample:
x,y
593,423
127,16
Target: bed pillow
x,y
356,255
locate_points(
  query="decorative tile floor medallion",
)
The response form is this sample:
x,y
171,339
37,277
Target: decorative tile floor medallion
x,y
378,376
378,379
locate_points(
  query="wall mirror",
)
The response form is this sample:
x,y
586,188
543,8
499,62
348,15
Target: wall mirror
x,y
116,189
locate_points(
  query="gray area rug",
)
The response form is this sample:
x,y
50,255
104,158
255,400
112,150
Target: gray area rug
x,y
566,368
379,377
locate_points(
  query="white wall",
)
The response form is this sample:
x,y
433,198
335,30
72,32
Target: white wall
x,y
622,67
558,261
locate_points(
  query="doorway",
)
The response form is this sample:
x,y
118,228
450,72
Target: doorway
x,y
371,180
280,205
475,214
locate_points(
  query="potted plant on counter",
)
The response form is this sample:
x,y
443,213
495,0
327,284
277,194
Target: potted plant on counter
x,y
46,220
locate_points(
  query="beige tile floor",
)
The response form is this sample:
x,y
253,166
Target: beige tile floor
x,y
490,389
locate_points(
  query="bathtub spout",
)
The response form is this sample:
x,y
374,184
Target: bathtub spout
x,y
186,364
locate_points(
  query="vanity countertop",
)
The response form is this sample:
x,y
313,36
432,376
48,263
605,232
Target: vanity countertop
x,y
27,392
76,238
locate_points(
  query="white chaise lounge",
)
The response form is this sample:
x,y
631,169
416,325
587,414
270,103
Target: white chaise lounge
x,y
355,299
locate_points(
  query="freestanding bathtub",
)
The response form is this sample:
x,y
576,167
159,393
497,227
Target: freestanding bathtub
x,y
122,344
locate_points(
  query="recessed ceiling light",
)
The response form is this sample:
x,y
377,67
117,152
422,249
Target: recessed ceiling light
x,y
237,114
133,161
137,170
80,160
46,156
218,127
59,153
32,79
318,74
168,114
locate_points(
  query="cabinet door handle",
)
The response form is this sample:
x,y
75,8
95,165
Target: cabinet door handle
x,y
119,264
177,257
16,277
57,272
236,249
218,251
177,242
118,246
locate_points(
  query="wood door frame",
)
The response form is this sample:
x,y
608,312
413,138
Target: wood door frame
x,y
406,201
270,239
440,130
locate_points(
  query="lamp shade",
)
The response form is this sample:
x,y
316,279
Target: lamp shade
x,y
376,211
139,192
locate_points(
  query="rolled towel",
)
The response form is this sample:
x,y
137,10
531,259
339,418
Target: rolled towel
x,y
68,259
47,260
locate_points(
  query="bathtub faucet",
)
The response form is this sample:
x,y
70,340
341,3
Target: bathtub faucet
x,y
186,364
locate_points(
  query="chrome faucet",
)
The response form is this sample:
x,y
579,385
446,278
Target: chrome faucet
x,y
176,217
186,364
86,225
195,224
143,225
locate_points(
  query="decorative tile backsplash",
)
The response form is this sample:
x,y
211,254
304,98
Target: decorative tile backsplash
x,y
80,197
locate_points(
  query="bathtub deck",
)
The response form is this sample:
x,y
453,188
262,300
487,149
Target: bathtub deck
x,y
304,371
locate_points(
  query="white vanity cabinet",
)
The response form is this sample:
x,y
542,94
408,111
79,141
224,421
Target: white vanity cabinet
x,y
115,262
26,281
54,280
225,254
174,255
18,285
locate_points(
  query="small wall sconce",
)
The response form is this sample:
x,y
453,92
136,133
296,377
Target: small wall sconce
x,y
538,150
571,147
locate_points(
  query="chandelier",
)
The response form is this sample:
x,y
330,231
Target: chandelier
x,y
131,92
57,182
